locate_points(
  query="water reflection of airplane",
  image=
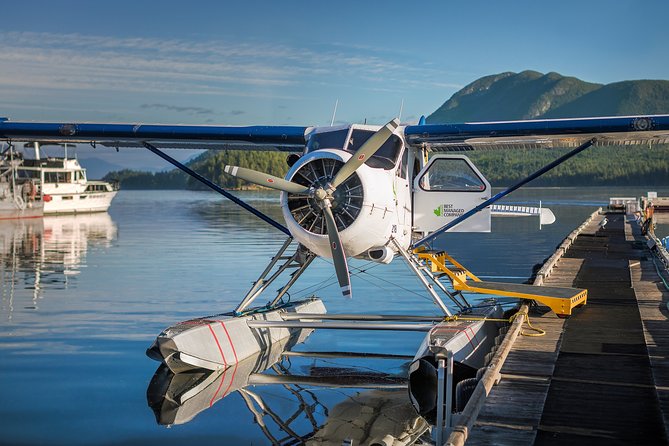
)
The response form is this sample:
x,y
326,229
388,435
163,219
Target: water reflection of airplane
x,y
381,414
45,253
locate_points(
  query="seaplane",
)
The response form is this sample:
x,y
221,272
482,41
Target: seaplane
x,y
371,192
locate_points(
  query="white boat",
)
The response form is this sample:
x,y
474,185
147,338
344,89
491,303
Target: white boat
x,y
66,183
19,197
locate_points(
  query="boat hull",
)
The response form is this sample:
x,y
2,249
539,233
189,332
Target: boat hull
x,y
11,211
75,203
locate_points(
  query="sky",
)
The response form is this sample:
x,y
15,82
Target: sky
x,y
253,62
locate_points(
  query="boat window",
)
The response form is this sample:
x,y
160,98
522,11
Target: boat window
x,y
29,174
97,188
327,140
452,175
52,177
385,157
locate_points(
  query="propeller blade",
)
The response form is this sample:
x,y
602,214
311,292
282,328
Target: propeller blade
x,y
265,179
368,149
338,255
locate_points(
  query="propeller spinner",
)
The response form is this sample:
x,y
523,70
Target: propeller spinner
x,y
321,195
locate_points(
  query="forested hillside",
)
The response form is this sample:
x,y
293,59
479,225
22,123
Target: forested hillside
x,y
210,165
596,166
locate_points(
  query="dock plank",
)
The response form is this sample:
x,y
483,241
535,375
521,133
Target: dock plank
x,y
652,297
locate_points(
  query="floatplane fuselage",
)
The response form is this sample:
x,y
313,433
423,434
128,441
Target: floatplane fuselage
x,y
361,191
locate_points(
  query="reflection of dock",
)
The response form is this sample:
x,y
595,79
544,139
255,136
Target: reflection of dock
x,y
600,376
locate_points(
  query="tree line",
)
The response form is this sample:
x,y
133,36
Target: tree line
x,y
210,165
596,166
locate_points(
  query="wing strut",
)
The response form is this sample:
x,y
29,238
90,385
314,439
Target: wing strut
x,y
504,193
217,188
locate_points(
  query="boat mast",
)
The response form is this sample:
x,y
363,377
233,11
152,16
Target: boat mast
x,y
12,172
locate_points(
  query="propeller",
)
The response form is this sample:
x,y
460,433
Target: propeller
x,y
338,254
265,179
323,195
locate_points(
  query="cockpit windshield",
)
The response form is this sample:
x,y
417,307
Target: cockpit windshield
x,y
384,158
327,140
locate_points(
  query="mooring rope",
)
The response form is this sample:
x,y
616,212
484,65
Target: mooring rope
x,y
538,331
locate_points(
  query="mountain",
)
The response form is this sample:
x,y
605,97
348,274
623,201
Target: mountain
x,y
531,95
98,168
642,97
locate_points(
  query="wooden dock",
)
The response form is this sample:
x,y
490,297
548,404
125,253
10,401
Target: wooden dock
x,y
599,377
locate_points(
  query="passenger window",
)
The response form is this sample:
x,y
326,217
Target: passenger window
x,y
452,175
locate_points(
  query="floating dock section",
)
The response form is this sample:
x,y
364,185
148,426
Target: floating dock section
x,y
598,377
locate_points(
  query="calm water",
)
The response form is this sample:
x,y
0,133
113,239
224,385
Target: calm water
x,y
83,297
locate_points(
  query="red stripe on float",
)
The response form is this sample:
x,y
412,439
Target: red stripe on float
x,y
218,344
229,340
236,360
473,334
231,381
468,338
213,399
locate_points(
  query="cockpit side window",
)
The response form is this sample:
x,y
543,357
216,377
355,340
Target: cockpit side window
x,y
452,175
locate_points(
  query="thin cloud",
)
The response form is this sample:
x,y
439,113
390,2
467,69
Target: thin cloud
x,y
48,60
179,109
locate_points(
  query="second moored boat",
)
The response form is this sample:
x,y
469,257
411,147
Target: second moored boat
x,y
66,183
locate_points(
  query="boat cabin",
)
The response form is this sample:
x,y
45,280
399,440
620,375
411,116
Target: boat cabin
x,y
55,170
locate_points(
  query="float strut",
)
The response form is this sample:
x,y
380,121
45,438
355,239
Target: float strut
x,y
430,289
444,396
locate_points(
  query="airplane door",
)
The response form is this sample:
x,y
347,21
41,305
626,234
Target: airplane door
x,y
447,187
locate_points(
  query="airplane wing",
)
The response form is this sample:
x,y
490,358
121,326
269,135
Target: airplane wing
x,y
545,133
530,134
283,138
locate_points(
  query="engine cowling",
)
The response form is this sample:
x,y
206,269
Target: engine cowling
x,y
364,207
